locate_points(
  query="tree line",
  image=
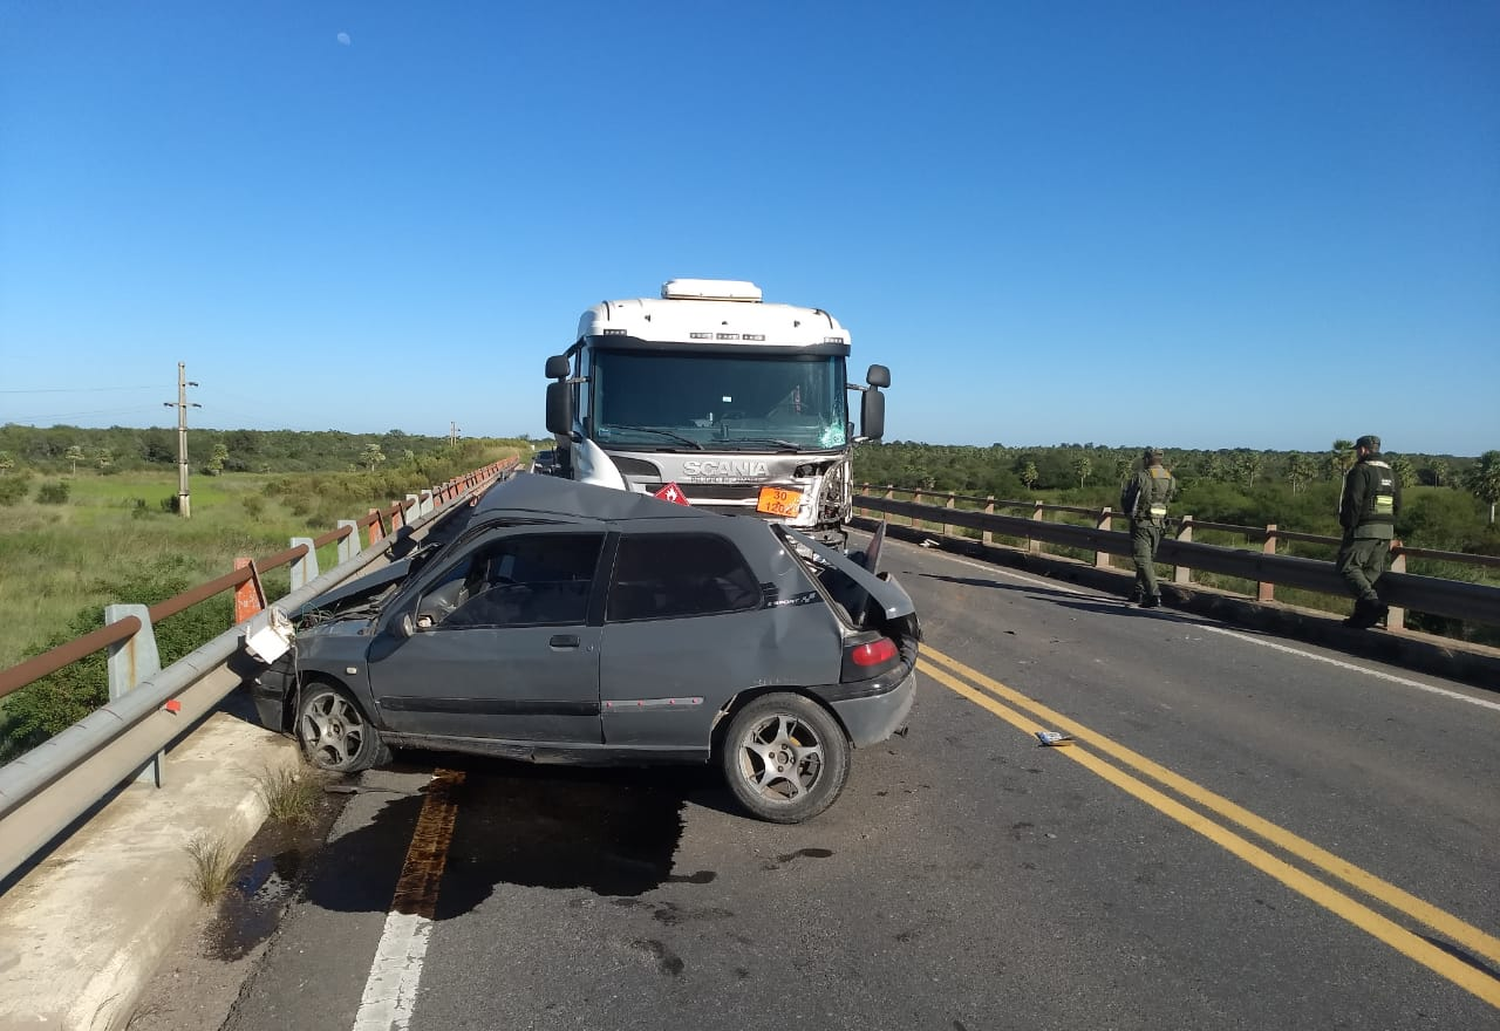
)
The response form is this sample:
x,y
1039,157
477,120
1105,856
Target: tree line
x,y
1449,500
56,450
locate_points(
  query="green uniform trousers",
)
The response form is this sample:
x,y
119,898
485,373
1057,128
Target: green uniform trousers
x,y
1361,561
1145,536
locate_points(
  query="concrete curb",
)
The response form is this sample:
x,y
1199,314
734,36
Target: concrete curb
x,y
83,932
1441,656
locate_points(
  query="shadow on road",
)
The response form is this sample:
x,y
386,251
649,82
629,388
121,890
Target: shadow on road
x,y
614,832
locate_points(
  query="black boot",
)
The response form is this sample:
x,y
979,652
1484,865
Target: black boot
x,y
1366,614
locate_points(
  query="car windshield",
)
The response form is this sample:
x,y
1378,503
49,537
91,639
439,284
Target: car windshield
x,y
719,402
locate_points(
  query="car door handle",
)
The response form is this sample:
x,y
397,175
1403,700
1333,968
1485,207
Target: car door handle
x,y
564,641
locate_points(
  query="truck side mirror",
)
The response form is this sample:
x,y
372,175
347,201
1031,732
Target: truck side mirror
x,y
878,376
557,367
560,407
872,414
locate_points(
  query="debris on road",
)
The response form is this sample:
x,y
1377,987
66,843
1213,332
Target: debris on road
x,y
928,542
1053,739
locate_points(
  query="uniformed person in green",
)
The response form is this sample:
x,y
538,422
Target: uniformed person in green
x,y
1368,506
1145,499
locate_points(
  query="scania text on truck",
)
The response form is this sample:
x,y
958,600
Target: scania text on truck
x,y
742,404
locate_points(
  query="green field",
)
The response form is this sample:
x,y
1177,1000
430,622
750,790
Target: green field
x,y
56,559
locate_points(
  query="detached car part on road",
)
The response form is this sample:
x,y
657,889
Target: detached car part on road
x,y
570,623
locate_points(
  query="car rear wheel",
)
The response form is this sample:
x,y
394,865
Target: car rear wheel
x,y
334,733
785,758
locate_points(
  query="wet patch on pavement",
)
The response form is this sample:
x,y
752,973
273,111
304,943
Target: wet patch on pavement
x,y
267,880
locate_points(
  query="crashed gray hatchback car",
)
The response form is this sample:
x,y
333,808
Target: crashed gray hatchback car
x,y
570,623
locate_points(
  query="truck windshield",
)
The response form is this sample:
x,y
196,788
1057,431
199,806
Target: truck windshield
x,y
718,402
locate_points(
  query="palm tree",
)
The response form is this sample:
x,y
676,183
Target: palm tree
x,y
373,456
1029,475
1299,471
1484,480
1248,465
1405,470
74,455
1082,466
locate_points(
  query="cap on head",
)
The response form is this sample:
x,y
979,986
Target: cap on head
x,y
1152,452
1369,442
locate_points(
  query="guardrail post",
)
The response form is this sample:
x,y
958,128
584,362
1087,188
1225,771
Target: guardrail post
x,y
948,527
1184,574
989,509
305,569
377,525
427,503
916,499
250,596
1266,591
413,507
1033,545
348,546
1101,558
128,663
1396,620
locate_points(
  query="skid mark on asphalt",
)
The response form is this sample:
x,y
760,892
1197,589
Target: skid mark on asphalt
x,y
1465,971
391,990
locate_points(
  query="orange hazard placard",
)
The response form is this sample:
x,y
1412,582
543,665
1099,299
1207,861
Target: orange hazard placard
x,y
778,501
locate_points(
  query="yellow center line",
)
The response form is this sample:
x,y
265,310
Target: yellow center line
x,y
1467,935
1397,937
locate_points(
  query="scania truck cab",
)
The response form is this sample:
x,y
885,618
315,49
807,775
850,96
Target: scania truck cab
x,y
741,404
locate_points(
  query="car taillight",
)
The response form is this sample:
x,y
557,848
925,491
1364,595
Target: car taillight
x,y
868,656
873,653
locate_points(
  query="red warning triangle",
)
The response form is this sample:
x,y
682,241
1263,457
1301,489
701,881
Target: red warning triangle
x,y
673,493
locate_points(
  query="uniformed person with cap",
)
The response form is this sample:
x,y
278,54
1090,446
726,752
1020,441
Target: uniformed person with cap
x,y
1145,499
1368,506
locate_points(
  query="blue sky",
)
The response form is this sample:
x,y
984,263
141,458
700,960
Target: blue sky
x,y
1203,225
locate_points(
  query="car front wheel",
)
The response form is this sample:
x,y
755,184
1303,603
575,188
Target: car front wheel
x,y
785,758
334,733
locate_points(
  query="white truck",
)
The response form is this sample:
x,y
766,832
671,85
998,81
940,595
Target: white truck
x,y
742,405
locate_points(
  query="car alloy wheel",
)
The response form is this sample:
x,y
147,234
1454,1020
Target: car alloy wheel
x,y
334,733
786,758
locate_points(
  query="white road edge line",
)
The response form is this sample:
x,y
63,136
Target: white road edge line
x,y
391,990
1251,639
1377,674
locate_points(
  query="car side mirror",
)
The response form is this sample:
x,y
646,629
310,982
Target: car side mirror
x,y
404,627
560,408
872,414
557,367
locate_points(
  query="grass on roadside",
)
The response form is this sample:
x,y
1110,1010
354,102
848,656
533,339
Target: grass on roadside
x,y
213,868
291,794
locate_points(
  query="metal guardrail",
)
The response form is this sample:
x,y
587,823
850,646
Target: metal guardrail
x,y
45,790
1453,598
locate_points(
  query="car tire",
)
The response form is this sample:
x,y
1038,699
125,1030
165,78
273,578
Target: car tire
x,y
785,758
334,732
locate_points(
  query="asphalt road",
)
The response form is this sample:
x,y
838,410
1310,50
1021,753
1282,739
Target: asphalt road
x,y
1247,833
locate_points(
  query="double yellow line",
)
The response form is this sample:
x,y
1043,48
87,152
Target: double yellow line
x,y
1406,942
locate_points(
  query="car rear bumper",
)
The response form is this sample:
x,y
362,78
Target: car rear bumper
x,y
872,718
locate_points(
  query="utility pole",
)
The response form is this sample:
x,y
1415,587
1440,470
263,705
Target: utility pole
x,y
184,501
453,432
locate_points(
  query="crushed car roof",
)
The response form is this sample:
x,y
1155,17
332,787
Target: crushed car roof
x,y
552,495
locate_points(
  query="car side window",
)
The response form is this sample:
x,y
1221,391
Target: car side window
x,y
526,580
669,575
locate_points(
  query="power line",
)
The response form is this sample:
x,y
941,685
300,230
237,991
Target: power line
x,y
76,390
35,417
